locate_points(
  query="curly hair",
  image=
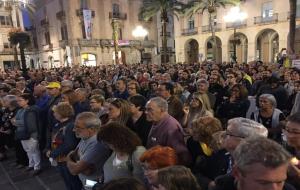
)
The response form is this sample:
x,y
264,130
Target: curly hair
x,y
71,95
205,127
120,137
64,109
159,157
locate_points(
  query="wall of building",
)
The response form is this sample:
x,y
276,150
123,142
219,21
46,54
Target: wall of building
x,y
251,31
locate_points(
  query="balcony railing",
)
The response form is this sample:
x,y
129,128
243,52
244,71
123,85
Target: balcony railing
x,y
45,22
89,43
169,50
218,27
189,32
79,12
7,51
60,15
168,34
236,24
266,20
117,15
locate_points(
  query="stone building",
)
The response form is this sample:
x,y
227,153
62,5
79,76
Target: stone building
x,y
261,36
80,32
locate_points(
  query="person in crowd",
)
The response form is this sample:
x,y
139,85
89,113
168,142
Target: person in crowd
x,y
177,178
154,159
269,116
121,90
88,158
21,85
293,99
259,163
152,92
292,133
208,161
42,98
53,89
97,107
139,124
127,149
70,97
133,88
202,88
236,105
199,106
165,131
66,85
216,88
119,111
124,184
11,107
175,106
83,101
230,82
63,142
28,126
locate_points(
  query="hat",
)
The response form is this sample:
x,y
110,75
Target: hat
x,y
53,85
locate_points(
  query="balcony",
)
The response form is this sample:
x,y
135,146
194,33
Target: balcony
x,y
44,22
79,12
189,32
218,27
266,20
117,15
89,43
60,15
7,51
168,34
236,25
169,50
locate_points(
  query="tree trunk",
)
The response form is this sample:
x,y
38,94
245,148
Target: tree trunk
x,y
164,20
23,60
293,10
212,29
16,61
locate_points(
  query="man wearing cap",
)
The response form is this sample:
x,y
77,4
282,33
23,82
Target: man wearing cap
x,y
53,89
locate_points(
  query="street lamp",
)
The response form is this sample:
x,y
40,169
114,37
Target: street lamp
x,y
140,33
234,16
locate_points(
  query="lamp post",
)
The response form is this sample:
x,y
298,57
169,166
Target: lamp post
x,y
140,33
234,16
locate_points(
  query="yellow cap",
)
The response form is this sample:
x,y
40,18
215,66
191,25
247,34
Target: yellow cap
x,y
53,85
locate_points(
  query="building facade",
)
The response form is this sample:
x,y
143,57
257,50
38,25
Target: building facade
x,y
80,32
261,36
10,17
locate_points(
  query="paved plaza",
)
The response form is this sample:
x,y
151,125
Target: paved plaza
x,y
18,179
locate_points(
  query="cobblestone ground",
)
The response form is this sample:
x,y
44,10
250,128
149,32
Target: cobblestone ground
x,y
18,179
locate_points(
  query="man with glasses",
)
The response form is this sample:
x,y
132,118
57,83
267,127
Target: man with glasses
x,y
292,133
88,158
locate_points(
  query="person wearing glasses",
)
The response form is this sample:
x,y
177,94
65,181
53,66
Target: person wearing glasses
x,y
133,88
292,133
88,158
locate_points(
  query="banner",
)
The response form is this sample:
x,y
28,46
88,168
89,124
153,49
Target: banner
x,y
87,19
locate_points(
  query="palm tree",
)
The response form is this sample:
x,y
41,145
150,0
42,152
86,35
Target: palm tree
x,y
151,8
18,5
210,6
293,12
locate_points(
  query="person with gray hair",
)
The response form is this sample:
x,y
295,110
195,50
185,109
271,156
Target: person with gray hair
x,y
260,164
166,130
269,116
66,85
88,158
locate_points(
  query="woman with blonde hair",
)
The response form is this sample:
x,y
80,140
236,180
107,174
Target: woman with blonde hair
x,y
118,111
208,160
199,106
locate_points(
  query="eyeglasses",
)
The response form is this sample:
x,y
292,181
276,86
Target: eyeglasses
x,y
79,128
93,102
227,133
292,131
131,88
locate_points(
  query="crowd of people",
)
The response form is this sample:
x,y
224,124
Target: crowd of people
x,y
145,126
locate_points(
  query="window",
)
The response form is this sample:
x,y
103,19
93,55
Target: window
x,y
5,20
64,32
120,34
6,45
191,23
298,8
83,30
116,8
47,38
267,10
2,20
83,4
